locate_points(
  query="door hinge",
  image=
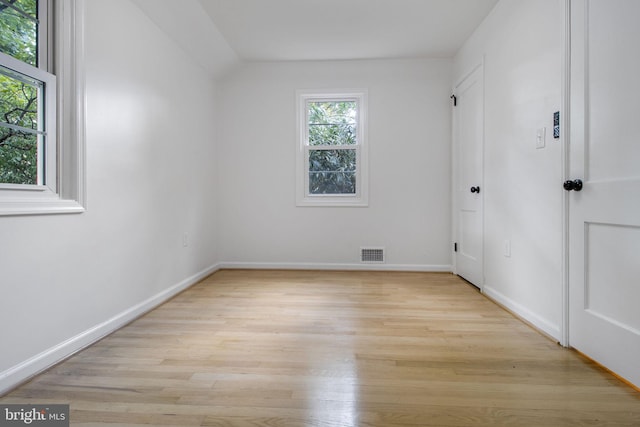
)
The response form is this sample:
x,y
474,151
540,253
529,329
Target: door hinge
x,y
455,247
455,100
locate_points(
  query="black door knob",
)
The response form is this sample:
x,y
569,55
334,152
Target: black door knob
x,y
475,189
575,185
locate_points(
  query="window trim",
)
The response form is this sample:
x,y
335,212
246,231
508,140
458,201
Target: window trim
x,y
66,194
303,198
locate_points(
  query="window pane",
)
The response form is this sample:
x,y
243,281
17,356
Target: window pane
x,y
19,30
332,160
332,134
20,126
332,123
332,183
18,102
332,172
18,157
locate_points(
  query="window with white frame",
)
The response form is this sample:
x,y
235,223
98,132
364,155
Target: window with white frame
x,y
331,150
41,151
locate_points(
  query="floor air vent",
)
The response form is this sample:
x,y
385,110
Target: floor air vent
x,y
372,255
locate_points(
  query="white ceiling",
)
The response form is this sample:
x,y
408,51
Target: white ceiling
x,y
345,29
218,33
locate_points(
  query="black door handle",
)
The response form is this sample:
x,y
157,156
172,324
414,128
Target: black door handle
x,y
475,189
575,185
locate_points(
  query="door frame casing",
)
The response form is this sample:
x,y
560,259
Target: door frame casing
x,y
565,139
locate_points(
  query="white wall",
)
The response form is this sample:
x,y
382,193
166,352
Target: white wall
x,y
154,173
151,176
409,167
522,46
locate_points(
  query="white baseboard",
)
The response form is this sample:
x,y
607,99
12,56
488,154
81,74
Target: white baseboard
x,y
335,266
22,372
519,310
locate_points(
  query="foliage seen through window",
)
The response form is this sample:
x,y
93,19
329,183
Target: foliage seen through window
x,y
332,155
19,96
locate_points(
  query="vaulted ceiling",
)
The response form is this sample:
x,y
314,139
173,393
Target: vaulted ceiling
x,y
216,32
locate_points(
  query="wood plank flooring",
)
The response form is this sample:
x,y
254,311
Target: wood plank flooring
x,y
296,348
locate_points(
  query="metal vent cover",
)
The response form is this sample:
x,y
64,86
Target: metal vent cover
x,y
372,255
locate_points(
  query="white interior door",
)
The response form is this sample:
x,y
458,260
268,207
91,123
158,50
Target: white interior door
x,y
468,134
604,217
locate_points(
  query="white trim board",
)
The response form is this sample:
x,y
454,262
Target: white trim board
x,y
524,313
335,266
565,125
22,372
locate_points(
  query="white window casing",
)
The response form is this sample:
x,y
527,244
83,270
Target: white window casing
x,y
303,196
61,189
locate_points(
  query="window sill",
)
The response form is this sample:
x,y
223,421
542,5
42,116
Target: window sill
x,y
39,207
332,202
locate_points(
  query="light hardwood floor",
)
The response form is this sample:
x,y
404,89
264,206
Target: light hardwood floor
x,y
281,348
